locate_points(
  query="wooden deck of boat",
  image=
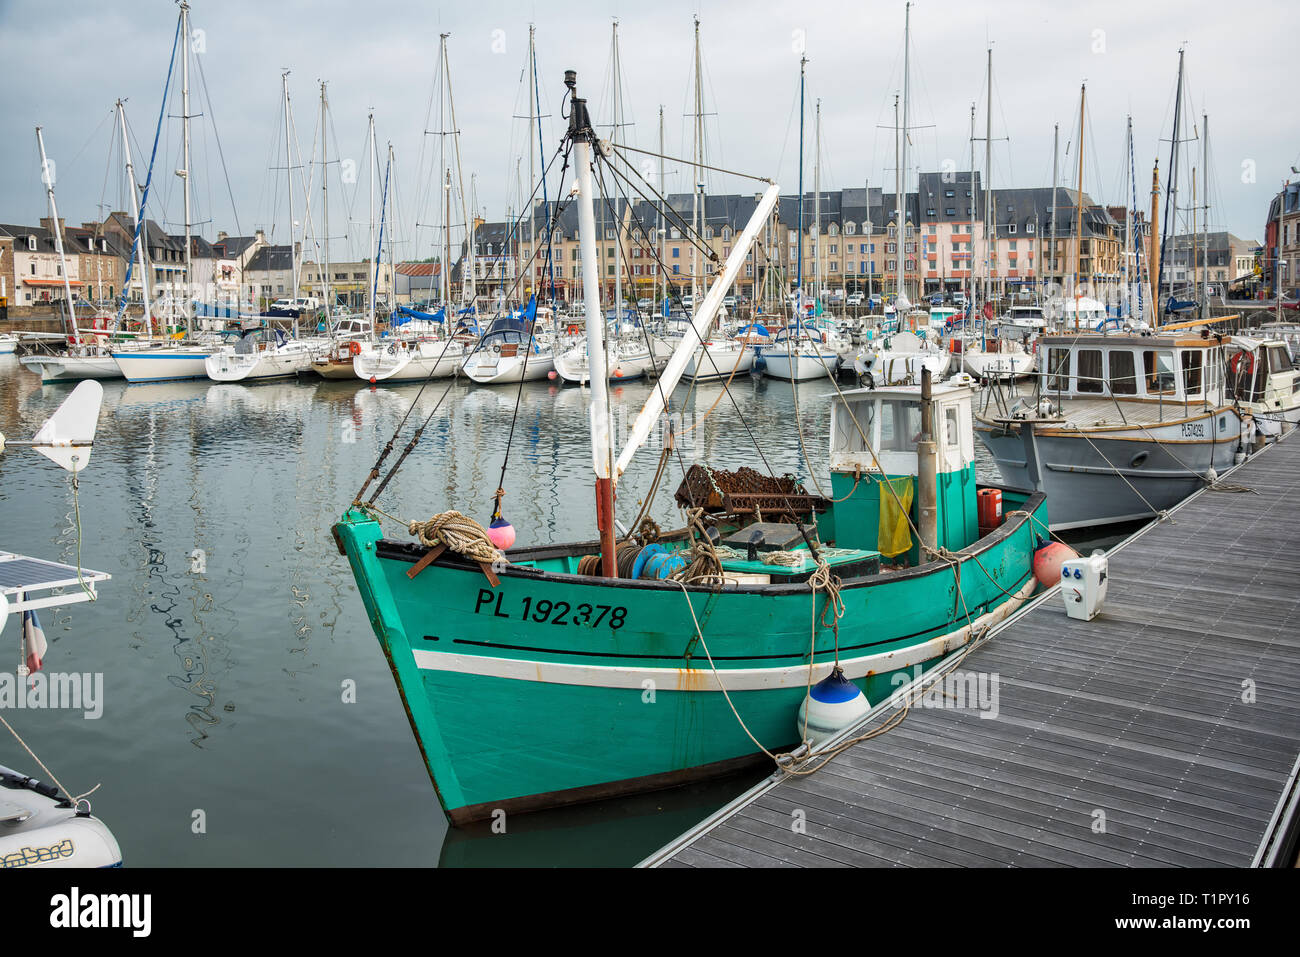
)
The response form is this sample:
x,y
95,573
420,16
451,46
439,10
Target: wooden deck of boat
x,y
1165,732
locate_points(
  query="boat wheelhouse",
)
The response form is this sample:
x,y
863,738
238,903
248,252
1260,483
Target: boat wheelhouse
x,y
1121,427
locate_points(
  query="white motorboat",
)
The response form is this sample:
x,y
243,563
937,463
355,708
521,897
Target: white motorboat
x,y
8,343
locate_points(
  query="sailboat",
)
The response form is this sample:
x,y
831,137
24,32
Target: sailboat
x,y
85,356
556,674
155,361
266,352
808,348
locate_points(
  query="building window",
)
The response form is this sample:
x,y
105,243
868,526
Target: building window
x,y
850,229
1011,229
950,193
932,213
950,211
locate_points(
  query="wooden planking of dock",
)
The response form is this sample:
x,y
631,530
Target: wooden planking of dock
x,y
1163,733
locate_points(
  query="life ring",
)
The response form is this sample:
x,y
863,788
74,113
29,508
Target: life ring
x,y
354,348
573,329
1242,357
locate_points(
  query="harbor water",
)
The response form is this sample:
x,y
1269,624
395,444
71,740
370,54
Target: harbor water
x,y
248,714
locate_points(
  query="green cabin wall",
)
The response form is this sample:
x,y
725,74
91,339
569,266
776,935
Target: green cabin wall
x,y
853,521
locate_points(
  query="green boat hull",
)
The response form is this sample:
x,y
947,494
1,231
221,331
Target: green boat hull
x,y
553,688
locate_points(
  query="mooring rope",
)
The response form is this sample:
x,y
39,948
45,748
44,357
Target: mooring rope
x,y
460,533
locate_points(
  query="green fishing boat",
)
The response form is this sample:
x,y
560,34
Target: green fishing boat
x,y
566,673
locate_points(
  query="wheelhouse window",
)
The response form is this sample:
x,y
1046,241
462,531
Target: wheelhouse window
x,y
1058,370
1089,375
1123,374
1193,368
1278,359
1158,372
900,426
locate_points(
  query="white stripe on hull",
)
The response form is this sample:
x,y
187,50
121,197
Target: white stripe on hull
x,y
703,679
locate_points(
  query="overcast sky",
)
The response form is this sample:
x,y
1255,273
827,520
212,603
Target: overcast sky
x,y
64,72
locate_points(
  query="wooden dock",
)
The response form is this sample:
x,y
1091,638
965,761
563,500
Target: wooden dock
x,y
1165,732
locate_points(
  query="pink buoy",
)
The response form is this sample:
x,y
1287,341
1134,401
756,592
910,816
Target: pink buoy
x,y
502,534
551,375
1048,561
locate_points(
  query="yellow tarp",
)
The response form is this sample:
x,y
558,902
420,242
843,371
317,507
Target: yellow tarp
x,y
895,536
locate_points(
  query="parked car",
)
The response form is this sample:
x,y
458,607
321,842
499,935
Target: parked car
x,y
645,303
729,302
959,299
855,299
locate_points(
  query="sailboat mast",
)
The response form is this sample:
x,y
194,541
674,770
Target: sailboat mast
x,y
185,172
534,117
898,214
798,281
582,135
990,211
446,243
1153,258
467,279
970,210
1078,199
817,202
1056,178
135,209
618,225
370,286
1125,305
697,186
325,207
71,317
1171,197
1202,284
663,191
288,172
902,193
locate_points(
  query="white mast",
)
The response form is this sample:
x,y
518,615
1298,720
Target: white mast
x,y
446,246
1202,282
582,135
185,173
663,227
817,203
1056,144
71,319
370,255
970,211
898,213
325,206
616,136
467,279
1126,307
902,213
288,168
135,210
990,211
698,186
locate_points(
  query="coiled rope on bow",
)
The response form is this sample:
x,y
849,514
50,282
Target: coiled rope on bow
x,y
460,533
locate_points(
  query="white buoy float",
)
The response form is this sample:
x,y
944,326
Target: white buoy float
x,y
832,704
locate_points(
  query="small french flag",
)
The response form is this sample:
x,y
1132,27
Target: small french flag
x,y
33,640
